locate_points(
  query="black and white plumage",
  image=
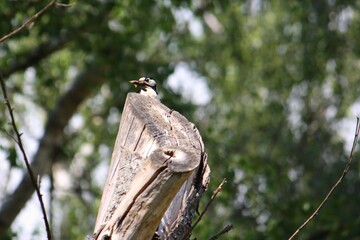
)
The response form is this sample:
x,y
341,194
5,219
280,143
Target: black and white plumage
x,y
147,87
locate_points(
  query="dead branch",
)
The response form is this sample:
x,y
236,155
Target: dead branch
x,y
28,22
345,171
215,193
225,230
82,87
22,149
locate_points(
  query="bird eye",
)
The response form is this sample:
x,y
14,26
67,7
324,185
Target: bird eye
x,y
147,79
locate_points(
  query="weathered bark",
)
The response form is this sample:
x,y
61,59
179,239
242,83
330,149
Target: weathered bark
x,y
156,151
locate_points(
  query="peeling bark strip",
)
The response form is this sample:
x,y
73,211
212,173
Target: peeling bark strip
x,y
157,153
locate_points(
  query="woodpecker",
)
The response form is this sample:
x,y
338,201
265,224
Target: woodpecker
x,y
147,87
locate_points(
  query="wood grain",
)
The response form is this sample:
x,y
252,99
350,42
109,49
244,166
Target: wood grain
x,y
140,186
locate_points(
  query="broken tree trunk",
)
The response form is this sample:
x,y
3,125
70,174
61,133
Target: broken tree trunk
x,y
157,175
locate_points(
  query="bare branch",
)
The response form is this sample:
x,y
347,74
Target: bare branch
x,y
226,229
57,118
28,167
215,193
28,22
53,137
346,169
9,134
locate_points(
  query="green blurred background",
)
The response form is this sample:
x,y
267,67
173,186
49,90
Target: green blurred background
x,y
275,91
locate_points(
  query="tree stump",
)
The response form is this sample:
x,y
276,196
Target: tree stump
x,y
157,175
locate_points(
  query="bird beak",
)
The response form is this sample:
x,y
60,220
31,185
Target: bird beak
x,y
135,82
138,83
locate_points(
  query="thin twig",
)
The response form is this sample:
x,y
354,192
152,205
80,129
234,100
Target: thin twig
x,y
226,229
20,145
215,193
346,169
28,22
9,135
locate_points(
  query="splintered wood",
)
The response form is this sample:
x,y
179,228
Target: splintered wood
x,y
157,175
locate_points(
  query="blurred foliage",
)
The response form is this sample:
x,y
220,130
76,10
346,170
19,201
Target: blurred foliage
x,y
283,77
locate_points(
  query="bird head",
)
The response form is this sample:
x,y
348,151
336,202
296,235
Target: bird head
x,y
144,83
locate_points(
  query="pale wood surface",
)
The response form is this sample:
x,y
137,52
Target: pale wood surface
x,y
147,130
